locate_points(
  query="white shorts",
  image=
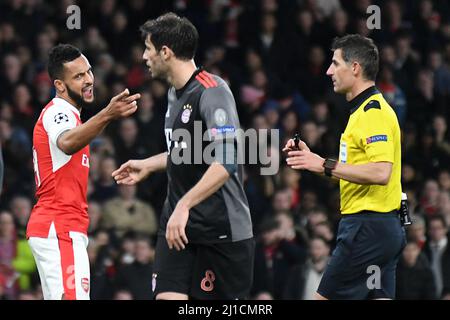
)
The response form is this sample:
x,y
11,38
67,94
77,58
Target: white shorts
x,y
63,265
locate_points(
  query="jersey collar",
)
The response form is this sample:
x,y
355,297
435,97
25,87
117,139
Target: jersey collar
x,y
66,103
180,91
360,98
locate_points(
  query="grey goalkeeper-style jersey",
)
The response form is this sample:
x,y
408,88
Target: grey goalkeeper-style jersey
x,y
202,117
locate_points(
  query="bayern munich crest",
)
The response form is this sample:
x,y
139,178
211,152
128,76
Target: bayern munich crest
x,y
186,115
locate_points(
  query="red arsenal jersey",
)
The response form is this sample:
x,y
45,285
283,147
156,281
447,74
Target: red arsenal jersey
x,y
61,179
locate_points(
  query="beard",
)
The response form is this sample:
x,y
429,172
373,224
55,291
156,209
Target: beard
x,y
160,73
156,74
78,99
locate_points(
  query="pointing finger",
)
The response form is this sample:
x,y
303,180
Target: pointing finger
x,y
132,98
123,94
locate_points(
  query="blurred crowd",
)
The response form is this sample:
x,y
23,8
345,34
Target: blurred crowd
x,y
274,55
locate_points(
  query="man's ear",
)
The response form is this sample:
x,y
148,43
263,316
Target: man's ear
x,y
166,52
356,68
59,85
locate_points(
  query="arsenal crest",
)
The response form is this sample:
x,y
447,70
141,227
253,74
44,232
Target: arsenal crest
x,y
85,284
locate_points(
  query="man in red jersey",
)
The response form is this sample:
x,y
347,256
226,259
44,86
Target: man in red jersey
x,y
57,229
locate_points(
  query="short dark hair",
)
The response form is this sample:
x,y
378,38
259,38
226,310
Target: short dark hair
x,y
59,55
320,238
140,237
438,217
175,32
361,49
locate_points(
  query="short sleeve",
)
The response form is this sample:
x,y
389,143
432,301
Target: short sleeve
x,y
376,136
58,119
218,111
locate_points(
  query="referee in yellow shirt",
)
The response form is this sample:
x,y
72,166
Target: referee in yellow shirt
x,y
370,236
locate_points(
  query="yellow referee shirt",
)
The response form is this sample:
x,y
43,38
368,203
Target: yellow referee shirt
x,y
372,135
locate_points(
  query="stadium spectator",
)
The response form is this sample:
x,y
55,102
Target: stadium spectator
x,y
2,169
102,256
444,205
393,94
127,213
437,250
430,197
136,277
20,207
312,80
17,264
417,231
105,187
441,135
7,253
95,211
3,295
291,180
275,255
414,276
304,278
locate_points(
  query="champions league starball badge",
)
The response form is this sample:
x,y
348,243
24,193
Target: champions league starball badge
x,y
186,115
61,117
220,117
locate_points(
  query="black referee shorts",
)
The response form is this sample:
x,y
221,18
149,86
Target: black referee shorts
x,y
364,262
205,271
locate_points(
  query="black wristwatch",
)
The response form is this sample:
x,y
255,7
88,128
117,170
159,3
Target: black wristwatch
x,y
329,165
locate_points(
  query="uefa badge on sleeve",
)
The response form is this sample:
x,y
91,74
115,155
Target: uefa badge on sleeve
x,y
186,115
61,117
220,117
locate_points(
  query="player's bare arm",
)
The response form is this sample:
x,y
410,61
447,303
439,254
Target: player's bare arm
x,y
134,171
122,105
368,173
212,180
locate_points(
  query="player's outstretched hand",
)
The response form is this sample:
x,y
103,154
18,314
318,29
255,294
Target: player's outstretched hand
x,y
122,105
175,229
131,172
